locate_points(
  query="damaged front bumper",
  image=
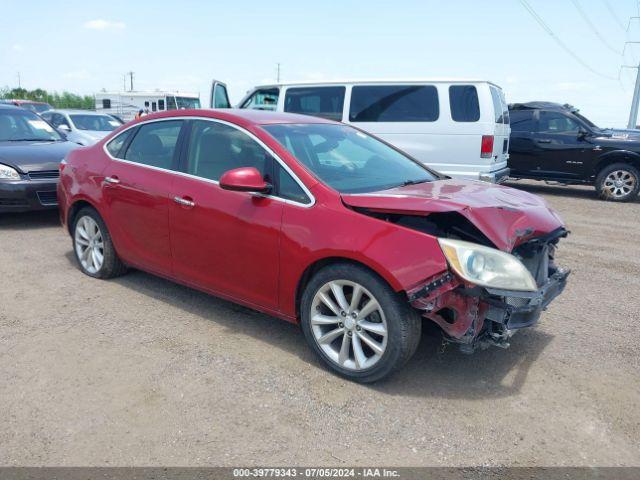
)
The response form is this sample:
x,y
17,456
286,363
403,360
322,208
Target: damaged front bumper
x,y
522,309
476,317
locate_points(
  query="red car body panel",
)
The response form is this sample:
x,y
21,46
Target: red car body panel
x,y
505,215
254,249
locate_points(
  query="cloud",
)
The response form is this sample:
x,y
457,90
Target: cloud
x,y
100,24
16,47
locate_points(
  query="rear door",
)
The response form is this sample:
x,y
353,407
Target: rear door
x,y
502,129
522,148
136,191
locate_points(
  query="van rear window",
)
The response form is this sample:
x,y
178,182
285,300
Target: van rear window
x,y
325,102
463,100
394,103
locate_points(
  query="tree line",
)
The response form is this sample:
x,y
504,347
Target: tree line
x,y
55,99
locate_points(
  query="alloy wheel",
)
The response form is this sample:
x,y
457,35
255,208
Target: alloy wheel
x,y
89,244
619,183
349,325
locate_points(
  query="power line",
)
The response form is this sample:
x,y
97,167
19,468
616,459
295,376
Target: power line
x,y
560,43
613,14
593,27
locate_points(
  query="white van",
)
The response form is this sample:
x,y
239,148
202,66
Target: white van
x,y
457,127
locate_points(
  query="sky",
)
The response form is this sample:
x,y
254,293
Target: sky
x,y
85,46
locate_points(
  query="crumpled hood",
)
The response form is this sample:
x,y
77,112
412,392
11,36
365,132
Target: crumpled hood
x,y
505,215
34,156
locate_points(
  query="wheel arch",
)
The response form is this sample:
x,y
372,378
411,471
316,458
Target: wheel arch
x,y
77,205
617,156
320,263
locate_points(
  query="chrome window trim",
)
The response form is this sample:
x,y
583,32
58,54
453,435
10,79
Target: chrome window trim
x,y
304,188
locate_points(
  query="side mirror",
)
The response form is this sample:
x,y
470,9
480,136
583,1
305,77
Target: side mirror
x,y
244,179
64,128
582,133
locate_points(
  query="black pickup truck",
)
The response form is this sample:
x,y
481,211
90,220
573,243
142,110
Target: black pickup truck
x,y
553,142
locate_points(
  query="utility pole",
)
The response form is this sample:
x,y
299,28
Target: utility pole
x,y
19,85
278,74
131,80
633,114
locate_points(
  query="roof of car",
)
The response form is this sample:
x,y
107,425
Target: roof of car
x,y
538,105
243,117
74,110
25,102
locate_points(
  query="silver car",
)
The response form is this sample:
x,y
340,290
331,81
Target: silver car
x,y
84,127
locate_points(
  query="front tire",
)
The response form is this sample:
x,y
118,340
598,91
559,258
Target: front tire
x,y
618,182
93,247
356,324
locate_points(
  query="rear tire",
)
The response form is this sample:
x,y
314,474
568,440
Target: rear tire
x,y
359,340
618,182
93,247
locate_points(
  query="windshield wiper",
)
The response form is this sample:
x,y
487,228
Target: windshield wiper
x,y
412,182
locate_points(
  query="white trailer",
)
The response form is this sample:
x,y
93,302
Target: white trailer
x,y
126,104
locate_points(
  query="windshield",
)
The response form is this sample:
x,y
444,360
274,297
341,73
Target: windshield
x,y
100,123
36,107
587,121
347,159
186,102
22,125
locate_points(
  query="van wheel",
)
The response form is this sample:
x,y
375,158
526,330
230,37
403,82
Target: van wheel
x,y
93,246
618,182
357,324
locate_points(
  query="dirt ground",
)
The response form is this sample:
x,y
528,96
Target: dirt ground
x,y
140,371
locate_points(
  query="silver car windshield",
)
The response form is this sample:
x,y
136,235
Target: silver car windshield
x,y
98,123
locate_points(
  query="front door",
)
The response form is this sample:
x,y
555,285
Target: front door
x,y
224,241
136,190
560,152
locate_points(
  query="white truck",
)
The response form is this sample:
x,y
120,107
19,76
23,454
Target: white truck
x,y
457,127
125,105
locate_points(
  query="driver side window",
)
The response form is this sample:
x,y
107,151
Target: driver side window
x,y
265,99
555,122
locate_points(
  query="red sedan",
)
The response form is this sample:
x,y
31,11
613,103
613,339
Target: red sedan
x,y
315,222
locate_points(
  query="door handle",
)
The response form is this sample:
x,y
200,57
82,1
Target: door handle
x,y
543,140
112,180
184,201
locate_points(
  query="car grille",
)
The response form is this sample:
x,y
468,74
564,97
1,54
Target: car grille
x,y
44,175
48,198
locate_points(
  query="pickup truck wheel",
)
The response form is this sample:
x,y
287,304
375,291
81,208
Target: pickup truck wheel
x,y
618,182
357,324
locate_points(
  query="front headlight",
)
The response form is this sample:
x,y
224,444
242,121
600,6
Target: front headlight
x,y
486,266
8,173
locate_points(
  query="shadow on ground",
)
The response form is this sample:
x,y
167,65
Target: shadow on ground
x,y
490,373
29,220
575,191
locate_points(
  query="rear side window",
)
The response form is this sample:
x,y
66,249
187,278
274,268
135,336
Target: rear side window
x,y
114,147
522,121
463,100
325,102
155,144
394,103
